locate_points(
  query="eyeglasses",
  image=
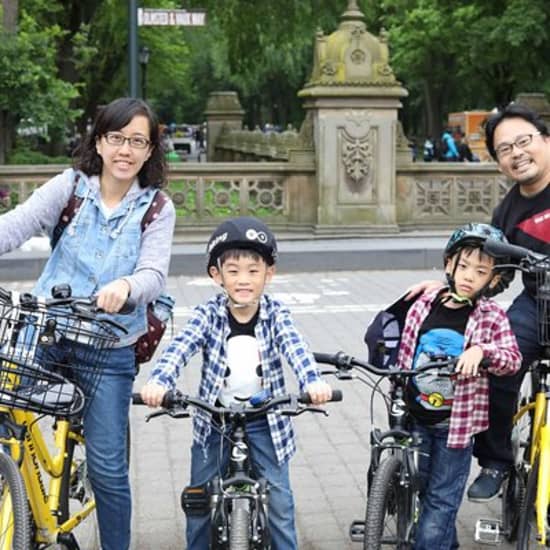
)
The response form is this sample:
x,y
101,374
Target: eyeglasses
x,y
521,142
118,140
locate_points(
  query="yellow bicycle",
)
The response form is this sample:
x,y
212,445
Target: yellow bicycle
x,y
526,492
46,349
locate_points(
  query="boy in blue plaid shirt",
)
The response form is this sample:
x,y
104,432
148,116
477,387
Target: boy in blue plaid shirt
x,y
242,334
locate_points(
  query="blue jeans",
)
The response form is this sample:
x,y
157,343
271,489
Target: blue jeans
x,y
106,431
206,463
443,474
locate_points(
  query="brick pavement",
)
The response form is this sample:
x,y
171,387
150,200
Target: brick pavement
x,y
328,473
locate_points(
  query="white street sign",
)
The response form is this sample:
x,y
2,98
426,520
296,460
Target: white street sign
x,y
163,17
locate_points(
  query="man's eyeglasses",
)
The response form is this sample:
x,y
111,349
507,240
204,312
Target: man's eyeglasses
x,y
118,140
521,142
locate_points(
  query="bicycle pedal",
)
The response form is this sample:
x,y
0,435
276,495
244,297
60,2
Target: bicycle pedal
x,y
357,531
489,532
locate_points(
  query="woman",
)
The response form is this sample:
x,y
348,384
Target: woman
x,y
104,252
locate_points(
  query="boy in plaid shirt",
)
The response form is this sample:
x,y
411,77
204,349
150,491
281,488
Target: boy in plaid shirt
x,y
457,321
242,334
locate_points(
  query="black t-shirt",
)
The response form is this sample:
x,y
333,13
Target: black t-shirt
x,y
428,396
526,222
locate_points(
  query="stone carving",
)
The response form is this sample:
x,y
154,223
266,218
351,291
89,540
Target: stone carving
x,y
357,158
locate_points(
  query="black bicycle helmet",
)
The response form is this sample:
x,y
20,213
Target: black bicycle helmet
x,y
245,232
474,235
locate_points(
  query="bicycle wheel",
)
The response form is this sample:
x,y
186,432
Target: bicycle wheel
x,y
239,525
513,497
15,526
76,494
527,530
388,516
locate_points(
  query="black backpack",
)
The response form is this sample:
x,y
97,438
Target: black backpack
x,y
383,334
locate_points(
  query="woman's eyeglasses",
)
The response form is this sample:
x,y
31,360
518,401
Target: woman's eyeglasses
x,y
118,140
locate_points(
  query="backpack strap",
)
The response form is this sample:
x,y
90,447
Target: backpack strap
x,y
72,206
157,204
68,213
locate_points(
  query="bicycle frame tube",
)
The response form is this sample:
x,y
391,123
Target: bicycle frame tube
x,y
538,421
543,478
45,503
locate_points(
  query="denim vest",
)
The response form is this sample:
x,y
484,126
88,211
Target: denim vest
x,y
94,251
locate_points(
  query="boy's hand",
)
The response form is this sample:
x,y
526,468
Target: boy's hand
x,y
422,287
468,362
320,392
152,394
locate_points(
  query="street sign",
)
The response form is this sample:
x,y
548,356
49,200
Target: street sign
x,y
165,17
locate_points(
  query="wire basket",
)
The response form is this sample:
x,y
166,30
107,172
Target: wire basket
x,y
50,358
543,306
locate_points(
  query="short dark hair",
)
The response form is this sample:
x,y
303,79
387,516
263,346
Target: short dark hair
x,y
236,253
114,116
513,110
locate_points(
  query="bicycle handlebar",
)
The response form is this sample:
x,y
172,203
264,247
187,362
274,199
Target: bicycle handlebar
x,y
176,399
344,362
527,258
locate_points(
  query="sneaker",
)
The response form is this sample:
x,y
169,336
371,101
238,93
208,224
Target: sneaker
x,y
486,485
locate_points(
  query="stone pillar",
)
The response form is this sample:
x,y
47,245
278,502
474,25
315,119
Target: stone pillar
x,y
353,99
223,111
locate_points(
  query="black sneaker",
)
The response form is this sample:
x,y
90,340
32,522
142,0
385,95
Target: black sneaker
x,y
487,485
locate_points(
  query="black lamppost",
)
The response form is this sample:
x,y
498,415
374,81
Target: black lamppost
x,y
144,53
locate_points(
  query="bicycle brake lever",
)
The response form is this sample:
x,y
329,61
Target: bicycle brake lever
x,y
155,414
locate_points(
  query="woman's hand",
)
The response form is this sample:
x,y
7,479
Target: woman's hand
x,y
113,296
152,394
421,287
320,392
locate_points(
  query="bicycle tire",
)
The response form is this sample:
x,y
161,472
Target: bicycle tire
x,y
75,492
527,529
15,524
513,498
239,526
387,504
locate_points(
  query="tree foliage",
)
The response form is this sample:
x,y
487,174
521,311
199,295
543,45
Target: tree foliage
x,y
70,56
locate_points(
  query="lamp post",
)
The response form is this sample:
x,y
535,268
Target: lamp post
x,y
144,53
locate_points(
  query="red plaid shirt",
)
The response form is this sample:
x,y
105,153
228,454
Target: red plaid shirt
x,y
487,327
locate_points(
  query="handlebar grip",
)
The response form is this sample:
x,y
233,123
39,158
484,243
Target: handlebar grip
x,y
305,398
497,248
326,358
128,307
136,399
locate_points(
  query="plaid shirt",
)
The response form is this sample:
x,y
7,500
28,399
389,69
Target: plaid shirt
x,y
208,331
487,327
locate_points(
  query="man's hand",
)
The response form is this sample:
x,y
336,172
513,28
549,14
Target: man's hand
x,y
152,394
113,296
320,392
420,288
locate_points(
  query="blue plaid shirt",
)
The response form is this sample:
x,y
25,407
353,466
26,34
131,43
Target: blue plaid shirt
x,y
208,331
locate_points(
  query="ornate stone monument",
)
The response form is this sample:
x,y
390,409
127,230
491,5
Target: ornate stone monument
x,y
352,99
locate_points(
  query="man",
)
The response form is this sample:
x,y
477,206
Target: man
x,y
518,139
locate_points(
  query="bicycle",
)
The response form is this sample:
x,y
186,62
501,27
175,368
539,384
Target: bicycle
x,y
393,479
526,492
237,500
45,494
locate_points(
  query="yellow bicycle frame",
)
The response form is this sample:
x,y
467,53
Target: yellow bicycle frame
x,y
34,456
540,447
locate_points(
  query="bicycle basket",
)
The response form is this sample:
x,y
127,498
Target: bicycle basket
x,y
543,306
49,358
